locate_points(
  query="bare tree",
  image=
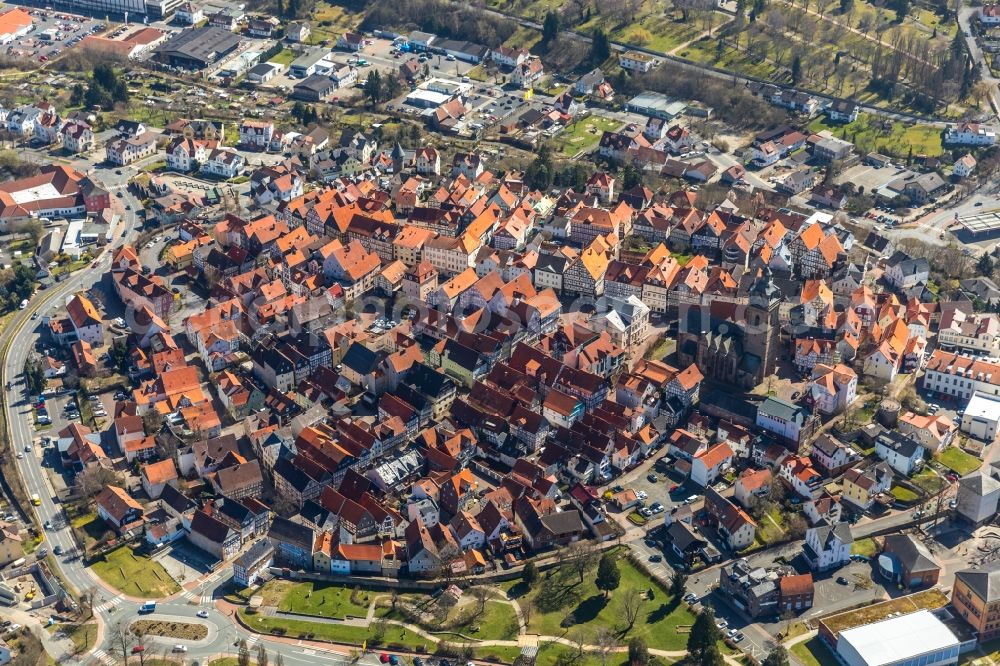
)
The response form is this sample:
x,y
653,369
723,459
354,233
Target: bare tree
x,y
481,595
605,641
122,640
581,556
631,604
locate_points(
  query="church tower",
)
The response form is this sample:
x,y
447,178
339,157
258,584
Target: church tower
x,y
398,158
762,328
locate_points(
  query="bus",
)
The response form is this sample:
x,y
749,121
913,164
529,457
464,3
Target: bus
x,y
36,500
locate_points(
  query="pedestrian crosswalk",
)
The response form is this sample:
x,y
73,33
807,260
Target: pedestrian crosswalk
x,y
104,657
252,640
107,605
197,597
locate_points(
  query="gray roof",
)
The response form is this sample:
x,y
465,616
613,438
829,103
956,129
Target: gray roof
x,y
782,409
984,582
912,554
202,44
980,483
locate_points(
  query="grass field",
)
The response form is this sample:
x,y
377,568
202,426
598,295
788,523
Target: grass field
x,y
323,600
225,661
338,633
134,575
959,461
584,134
870,134
928,481
660,620
866,547
82,635
284,57
814,652
329,22
903,494
771,527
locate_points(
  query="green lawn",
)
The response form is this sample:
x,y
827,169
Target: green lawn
x,y
225,661
771,526
959,461
870,134
323,600
659,622
903,494
584,134
506,654
82,635
338,633
497,623
814,652
866,547
283,57
928,481
134,575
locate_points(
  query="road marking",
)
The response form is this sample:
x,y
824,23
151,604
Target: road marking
x,y
206,599
309,652
253,639
104,657
108,604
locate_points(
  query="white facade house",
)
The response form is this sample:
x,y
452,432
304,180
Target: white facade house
x,y
828,547
978,333
970,134
981,417
782,418
256,133
185,154
224,163
964,166
833,388
636,61
960,376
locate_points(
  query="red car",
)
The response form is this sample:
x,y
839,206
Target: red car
x,y
43,58
384,658
138,648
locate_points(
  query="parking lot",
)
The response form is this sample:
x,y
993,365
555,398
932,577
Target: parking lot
x,y
53,33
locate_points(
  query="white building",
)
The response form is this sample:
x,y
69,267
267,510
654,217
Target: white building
x,y
970,134
185,154
782,418
964,166
224,163
833,388
981,416
916,639
636,61
256,133
977,333
828,547
960,376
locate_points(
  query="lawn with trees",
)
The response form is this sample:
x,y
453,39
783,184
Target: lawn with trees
x,y
602,599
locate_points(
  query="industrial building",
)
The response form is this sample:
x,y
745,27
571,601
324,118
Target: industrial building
x,y
917,639
981,416
197,48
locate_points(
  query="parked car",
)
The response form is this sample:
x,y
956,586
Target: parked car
x,y
652,478
655,558
138,649
841,580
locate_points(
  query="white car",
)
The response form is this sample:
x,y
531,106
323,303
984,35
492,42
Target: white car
x,y
202,613
180,648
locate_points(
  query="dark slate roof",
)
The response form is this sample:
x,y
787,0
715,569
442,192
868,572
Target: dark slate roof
x,y
360,359
261,549
176,500
285,531
212,529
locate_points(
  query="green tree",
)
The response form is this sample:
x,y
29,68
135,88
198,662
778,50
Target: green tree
x,y
846,6
539,174
550,28
600,47
677,583
704,634
776,657
261,655
34,376
712,656
985,265
530,574
373,87
902,8
631,177
796,69
118,356
638,653
608,575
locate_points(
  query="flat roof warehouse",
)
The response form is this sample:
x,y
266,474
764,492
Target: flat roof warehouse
x,y
198,46
982,223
